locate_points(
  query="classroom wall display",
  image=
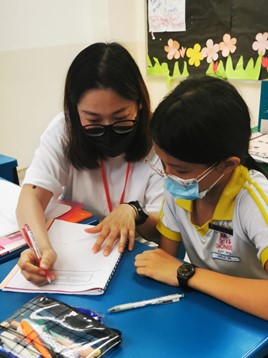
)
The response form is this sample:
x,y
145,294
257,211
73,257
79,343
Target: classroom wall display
x,y
263,112
223,38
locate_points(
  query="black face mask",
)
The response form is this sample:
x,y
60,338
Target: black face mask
x,y
112,144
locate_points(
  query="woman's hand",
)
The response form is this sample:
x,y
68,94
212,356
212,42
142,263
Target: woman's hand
x,y
118,225
158,265
34,272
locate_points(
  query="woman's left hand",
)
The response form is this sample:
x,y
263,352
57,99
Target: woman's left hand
x,y
118,225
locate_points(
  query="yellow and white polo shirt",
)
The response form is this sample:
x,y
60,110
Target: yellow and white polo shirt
x,y
235,240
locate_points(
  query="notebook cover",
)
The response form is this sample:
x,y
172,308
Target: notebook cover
x,y
75,215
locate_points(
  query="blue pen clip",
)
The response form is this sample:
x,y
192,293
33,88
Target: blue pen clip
x,y
91,313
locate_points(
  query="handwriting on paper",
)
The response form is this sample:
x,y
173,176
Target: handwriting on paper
x,y
166,15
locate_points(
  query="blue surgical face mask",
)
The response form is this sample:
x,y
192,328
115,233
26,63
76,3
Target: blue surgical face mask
x,y
188,189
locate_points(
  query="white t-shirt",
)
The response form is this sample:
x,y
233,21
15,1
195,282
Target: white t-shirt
x,y
235,240
51,170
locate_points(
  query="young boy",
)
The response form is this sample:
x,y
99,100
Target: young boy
x,y
216,197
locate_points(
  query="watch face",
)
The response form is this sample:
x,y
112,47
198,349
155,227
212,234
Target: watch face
x,y
186,270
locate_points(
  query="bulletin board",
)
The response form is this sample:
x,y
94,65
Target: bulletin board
x,y
222,38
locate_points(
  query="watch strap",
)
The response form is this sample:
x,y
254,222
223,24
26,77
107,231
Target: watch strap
x,y
141,215
184,273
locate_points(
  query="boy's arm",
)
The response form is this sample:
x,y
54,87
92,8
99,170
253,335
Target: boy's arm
x,y
170,246
247,294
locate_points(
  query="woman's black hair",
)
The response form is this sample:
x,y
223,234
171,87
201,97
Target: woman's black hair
x,y
104,66
204,120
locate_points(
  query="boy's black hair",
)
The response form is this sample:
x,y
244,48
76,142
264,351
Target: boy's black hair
x,y
104,66
204,120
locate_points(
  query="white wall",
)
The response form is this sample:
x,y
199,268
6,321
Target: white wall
x,y
38,41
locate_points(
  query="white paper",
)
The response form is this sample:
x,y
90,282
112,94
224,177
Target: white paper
x,y
258,147
9,195
79,270
166,15
55,209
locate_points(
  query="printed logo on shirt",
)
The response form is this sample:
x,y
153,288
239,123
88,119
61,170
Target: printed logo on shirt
x,y
224,242
223,249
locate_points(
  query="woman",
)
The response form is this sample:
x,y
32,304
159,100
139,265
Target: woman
x,y
94,153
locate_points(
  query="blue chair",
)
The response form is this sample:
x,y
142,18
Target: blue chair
x,y
8,168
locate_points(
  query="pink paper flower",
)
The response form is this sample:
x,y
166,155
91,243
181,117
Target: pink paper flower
x,y
261,45
172,49
211,51
227,46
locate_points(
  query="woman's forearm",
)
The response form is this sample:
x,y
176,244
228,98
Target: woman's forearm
x,y
30,210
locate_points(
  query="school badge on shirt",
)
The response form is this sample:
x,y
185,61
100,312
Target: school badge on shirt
x,y
223,246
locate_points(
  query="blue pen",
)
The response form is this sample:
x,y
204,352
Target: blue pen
x,y
94,314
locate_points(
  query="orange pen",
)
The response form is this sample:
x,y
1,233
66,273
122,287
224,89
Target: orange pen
x,y
33,337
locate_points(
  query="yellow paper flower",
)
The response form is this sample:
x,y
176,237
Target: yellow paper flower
x,y
195,55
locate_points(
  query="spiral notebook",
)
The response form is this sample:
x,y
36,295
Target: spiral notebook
x,y
45,327
79,271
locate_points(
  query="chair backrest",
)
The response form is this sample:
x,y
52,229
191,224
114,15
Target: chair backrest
x,y
8,168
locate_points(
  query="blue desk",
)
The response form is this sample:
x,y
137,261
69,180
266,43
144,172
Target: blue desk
x,y
197,326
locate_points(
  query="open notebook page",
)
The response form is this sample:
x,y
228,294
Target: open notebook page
x,y
79,271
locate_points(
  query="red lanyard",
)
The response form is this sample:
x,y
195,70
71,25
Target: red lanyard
x,y
106,188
